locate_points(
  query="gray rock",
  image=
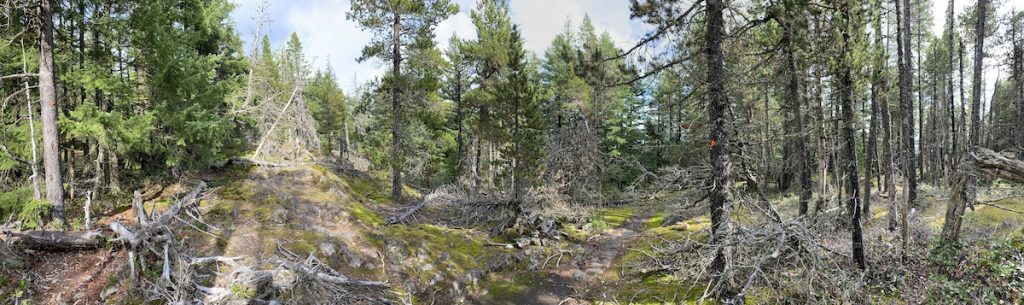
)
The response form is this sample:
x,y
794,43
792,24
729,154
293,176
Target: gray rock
x,y
280,216
327,249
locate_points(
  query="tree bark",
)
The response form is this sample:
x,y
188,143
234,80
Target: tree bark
x,y
798,136
48,100
396,110
954,152
720,203
962,192
976,94
907,104
849,137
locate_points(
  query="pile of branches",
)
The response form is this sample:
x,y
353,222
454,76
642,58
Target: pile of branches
x,y
779,262
154,243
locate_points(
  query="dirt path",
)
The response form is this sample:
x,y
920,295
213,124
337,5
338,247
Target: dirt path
x,y
584,279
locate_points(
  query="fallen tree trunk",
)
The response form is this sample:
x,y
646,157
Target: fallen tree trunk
x,y
64,241
56,241
999,165
963,190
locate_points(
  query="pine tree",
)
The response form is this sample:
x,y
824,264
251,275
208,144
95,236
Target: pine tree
x,y
397,25
522,118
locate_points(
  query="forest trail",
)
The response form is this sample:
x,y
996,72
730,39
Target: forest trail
x,y
588,275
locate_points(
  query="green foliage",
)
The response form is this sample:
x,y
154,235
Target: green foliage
x,y
19,202
190,56
988,273
326,103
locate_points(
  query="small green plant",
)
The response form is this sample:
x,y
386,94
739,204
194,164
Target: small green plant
x,y
240,291
32,212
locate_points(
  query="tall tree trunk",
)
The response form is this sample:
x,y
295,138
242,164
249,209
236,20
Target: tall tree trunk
x,y
888,164
906,103
975,138
963,100
954,152
720,201
798,136
819,125
48,100
460,150
849,136
962,193
921,149
396,111
36,193
907,107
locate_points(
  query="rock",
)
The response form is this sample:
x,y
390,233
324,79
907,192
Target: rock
x,y
327,249
499,262
548,228
522,242
394,251
280,216
473,276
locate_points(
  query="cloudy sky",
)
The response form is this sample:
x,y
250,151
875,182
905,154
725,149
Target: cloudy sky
x,y
327,35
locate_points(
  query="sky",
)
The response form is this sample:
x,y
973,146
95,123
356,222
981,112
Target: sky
x,y
327,36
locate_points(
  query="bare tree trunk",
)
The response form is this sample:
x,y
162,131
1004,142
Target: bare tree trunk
x,y
975,139
906,103
36,193
820,126
720,203
48,100
115,172
921,148
798,136
954,152
962,192
849,140
396,111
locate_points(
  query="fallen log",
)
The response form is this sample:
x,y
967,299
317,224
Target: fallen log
x,y
57,241
999,165
70,241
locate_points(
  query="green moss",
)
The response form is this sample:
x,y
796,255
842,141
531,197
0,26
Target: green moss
x,y
453,252
366,189
363,214
238,190
993,218
655,221
509,288
646,244
609,218
575,234
301,242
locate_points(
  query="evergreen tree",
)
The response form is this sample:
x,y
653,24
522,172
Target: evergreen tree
x,y
398,25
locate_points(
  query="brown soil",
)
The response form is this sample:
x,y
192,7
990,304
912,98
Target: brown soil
x,y
76,277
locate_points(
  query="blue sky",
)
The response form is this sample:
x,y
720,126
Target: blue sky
x,y
326,33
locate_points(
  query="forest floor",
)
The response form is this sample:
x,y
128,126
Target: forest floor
x,y
262,214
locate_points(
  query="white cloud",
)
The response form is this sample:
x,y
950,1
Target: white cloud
x,y
541,21
326,34
459,24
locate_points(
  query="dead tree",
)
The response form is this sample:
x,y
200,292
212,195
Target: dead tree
x,y
963,188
